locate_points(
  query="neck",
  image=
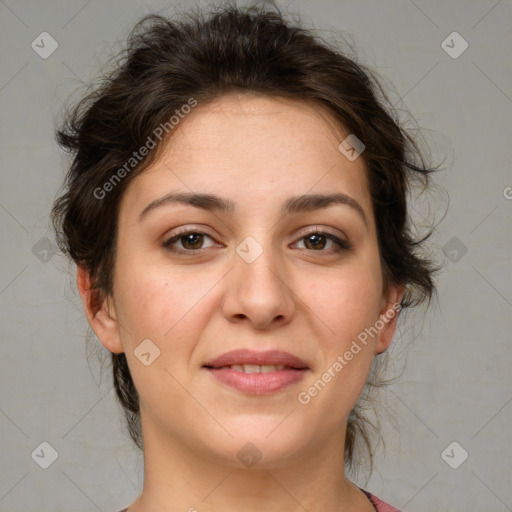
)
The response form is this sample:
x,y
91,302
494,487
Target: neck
x,y
178,479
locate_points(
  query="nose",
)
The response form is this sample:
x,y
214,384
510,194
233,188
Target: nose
x,y
259,292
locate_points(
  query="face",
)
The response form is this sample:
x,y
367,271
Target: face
x,y
259,278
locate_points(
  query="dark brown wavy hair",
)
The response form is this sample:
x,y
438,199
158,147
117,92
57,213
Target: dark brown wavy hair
x,y
203,56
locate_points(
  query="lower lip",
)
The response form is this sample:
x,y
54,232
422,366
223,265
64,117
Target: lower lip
x,y
257,383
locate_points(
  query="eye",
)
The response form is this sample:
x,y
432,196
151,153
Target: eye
x,y
318,240
191,241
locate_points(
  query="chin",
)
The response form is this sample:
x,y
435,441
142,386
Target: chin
x,y
261,442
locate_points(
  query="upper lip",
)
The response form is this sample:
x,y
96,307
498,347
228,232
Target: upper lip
x,y
247,356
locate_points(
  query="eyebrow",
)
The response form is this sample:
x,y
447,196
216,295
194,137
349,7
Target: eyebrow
x,y
296,204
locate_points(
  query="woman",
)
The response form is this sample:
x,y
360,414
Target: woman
x,y
236,207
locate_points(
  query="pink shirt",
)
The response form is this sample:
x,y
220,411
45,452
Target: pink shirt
x,y
379,505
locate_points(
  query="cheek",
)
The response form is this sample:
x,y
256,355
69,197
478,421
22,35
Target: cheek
x,y
347,350
170,309
348,303
154,300
169,312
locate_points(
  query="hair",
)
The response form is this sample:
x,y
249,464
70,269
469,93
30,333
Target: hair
x,y
165,64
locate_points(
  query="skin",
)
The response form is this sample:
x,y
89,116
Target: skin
x,y
312,302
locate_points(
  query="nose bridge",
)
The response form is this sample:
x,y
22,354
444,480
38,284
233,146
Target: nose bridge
x,y
258,290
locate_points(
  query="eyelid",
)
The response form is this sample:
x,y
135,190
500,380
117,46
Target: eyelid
x,y
189,228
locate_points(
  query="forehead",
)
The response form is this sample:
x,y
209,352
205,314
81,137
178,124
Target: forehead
x,y
253,148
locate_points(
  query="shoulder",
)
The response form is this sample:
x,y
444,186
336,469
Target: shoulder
x,y
380,506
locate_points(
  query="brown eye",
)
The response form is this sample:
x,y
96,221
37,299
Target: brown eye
x,y
317,241
190,241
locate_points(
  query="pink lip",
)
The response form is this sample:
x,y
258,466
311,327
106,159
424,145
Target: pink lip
x,y
257,383
246,356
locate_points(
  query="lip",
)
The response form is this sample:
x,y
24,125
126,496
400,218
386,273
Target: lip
x,y
257,383
247,356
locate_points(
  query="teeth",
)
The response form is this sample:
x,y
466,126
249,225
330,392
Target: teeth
x,y
254,368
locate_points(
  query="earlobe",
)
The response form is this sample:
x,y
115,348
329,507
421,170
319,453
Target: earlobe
x,y
100,314
388,318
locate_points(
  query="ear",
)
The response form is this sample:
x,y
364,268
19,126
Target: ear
x,y
101,316
388,317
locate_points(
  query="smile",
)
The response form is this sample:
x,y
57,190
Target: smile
x,y
255,368
257,373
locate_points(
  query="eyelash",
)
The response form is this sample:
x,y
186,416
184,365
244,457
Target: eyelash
x,y
342,244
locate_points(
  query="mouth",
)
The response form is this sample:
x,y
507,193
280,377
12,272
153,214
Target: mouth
x,y
254,368
257,373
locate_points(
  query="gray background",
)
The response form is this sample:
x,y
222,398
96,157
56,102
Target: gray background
x,y
457,382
